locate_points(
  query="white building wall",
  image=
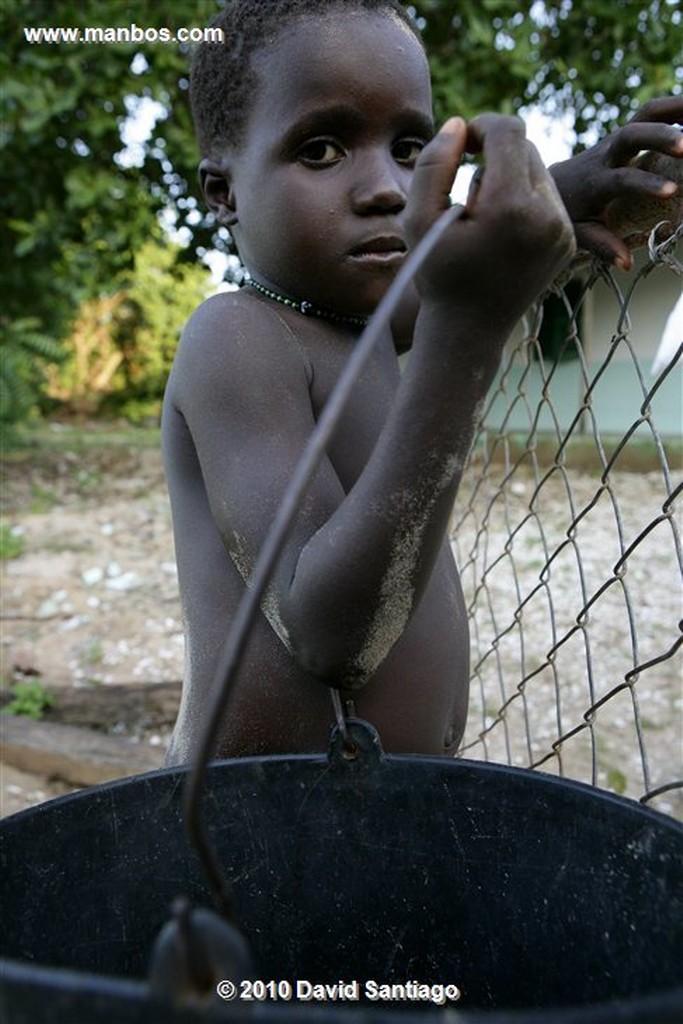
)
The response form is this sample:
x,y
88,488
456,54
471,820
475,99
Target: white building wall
x,y
619,349
653,298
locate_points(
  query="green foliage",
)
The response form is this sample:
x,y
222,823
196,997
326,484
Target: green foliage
x,y
30,699
121,346
24,349
162,295
11,543
75,212
92,358
616,781
42,499
599,59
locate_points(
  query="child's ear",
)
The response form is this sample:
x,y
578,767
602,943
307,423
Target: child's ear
x,y
218,191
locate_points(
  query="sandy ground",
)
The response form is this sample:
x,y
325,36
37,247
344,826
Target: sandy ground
x,y
19,790
575,590
92,600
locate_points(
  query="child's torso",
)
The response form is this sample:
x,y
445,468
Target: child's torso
x,y
417,699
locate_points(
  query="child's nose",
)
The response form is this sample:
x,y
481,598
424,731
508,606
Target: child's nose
x,y
381,185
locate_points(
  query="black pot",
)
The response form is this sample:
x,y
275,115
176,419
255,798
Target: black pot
x,y
539,899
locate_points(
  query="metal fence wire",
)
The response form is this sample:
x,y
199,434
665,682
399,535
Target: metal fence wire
x,y
568,543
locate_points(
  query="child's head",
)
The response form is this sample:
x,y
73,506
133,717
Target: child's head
x,y
223,78
311,169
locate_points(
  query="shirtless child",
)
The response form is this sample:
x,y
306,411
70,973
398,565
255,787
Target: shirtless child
x,y
319,154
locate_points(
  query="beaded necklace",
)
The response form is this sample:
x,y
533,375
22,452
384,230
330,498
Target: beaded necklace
x,y
307,308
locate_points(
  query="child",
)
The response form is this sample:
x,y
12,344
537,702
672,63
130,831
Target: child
x,y
319,153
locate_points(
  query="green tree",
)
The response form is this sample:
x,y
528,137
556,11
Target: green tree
x,y
163,293
73,212
599,59
24,350
120,347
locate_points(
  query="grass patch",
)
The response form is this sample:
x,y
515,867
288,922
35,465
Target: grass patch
x,y
42,499
30,699
616,781
28,440
11,543
94,654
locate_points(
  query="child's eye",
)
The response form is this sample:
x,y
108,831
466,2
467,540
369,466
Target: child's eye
x,y
320,153
406,151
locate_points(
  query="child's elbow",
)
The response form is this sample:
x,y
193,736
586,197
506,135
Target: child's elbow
x,y
336,662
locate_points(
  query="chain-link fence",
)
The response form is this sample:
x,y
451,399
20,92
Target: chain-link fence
x,y
568,542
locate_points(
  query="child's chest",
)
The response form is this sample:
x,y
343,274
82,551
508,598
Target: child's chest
x,y
365,412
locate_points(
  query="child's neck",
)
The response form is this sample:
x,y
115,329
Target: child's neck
x,y
307,308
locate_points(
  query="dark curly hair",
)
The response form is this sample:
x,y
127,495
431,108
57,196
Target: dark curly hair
x,y
222,79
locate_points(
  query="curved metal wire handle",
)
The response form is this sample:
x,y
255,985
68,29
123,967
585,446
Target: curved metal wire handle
x,y
270,551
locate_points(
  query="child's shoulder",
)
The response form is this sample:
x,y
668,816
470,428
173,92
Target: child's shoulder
x,y
235,330
234,322
229,314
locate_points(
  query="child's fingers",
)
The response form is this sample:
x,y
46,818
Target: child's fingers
x,y
635,181
503,142
473,190
434,175
641,135
530,171
599,240
666,108
623,182
515,178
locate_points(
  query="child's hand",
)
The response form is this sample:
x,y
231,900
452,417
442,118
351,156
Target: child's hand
x,y
597,183
514,235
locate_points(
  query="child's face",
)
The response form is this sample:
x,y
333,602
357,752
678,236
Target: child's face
x,y
319,186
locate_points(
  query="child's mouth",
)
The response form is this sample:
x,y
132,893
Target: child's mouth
x,y
388,250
